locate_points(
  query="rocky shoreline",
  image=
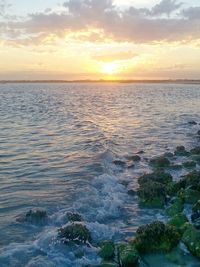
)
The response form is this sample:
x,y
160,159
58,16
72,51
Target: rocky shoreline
x,y
157,189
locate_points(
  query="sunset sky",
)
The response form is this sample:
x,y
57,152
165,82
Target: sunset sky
x,y
93,39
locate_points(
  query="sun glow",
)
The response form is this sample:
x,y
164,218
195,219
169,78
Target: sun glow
x,y
109,68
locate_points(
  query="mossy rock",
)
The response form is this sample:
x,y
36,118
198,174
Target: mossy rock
x,y
180,151
159,162
191,196
196,207
196,158
191,238
107,251
178,220
76,232
74,217
35,216
156,236
188,180
176,207
157,176
128,256
195,151
189,164
152,194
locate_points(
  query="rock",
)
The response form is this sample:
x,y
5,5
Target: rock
x,y
156,237
176,207
131,192
198,132
196,207
135,158
195,151
192,122
191,238
107,251
128,256
180,151
191,196
196,158
189,164
152,194
159,162
157,176
35,216
76,232
191,179
178,220
74,217
119,163
195,218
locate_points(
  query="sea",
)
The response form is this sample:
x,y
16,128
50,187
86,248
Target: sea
x,y
60,148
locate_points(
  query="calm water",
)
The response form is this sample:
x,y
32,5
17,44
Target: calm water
x,y
57,146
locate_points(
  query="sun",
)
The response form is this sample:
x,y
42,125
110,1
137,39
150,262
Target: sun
x,y
109,68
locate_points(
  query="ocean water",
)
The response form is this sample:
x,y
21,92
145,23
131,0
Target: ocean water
x,y
57,147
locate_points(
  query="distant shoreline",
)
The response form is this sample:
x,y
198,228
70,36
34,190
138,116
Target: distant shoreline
x,y
178,81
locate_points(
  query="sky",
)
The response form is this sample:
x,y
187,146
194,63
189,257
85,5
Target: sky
x,y
99,39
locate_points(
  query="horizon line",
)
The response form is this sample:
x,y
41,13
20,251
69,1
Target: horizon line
x,y
193,81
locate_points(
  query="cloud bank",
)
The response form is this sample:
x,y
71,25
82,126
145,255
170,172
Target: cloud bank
x,y
168,21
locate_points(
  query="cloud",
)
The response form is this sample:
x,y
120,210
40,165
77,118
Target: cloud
x,y
137,25
166,7
192,13
115,56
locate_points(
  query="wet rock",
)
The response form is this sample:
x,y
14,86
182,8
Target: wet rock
x,y
191,179
195,218
76,232
157,176
192,122
196,158
191,238
175,207
198,132
196,207
191,196
152,194
107,251
35,216
131,192
180,151
178,220
128,256
156,236
159,162
74,217
189,164
119,163
195,151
